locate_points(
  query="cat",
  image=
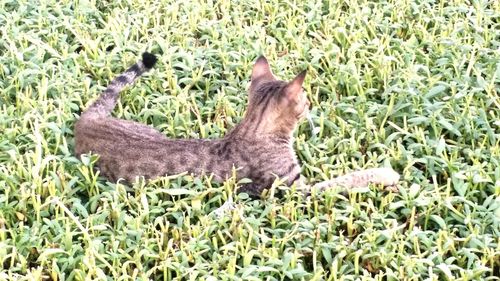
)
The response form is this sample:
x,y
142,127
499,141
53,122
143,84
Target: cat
x,y
260,146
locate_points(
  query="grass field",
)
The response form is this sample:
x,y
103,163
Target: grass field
x,y
409,84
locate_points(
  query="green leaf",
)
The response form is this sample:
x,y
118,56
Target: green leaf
x,y
439,221
177,191
434,91
448,126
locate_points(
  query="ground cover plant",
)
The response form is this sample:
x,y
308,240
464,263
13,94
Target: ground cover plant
x,y
408,84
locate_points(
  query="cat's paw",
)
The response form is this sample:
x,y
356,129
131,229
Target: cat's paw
x,y
361,179
383,176
225,208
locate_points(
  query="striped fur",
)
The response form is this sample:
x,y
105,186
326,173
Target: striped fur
x,y
260,146
107,101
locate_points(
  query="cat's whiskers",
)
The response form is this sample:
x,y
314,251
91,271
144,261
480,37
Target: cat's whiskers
x,y
314,130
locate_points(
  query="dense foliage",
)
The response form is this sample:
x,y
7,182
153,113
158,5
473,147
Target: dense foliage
x,y
409,84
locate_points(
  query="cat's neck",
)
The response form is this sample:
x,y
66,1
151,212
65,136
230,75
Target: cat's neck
x,y
248,130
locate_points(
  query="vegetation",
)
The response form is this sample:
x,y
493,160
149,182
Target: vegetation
x,y
412,85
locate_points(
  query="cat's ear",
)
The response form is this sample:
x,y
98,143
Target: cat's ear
x,y
294,88
261,69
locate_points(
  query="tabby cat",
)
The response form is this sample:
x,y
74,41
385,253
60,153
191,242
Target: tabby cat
x,y
260,146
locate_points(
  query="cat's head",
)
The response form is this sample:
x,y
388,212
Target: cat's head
x,y
276,106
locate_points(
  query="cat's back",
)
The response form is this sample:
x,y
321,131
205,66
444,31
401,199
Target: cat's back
x,y
129,149
259,158
101,135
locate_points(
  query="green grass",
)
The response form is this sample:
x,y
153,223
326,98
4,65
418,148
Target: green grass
x,y
411,84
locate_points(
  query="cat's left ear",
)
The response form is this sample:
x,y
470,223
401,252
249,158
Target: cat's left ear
x,y
261,70
294,88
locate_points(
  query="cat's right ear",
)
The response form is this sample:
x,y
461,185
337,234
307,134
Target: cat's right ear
x,y
261,70
294,88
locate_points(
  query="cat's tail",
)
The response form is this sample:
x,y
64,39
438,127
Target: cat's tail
x,y
106,102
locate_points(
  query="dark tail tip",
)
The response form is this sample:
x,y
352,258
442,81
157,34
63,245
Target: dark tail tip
x,y
149,60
